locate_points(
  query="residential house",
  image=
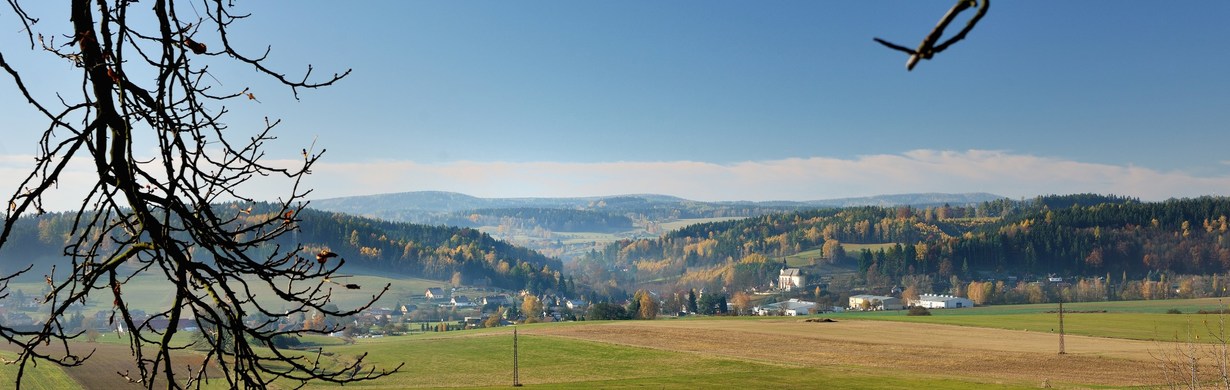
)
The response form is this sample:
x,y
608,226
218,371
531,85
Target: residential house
x,y
498,300
461,301
434,293
575,304
407,309
790,279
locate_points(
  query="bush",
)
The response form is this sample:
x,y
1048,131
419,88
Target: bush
x,y
919,311
1173,311
1218,311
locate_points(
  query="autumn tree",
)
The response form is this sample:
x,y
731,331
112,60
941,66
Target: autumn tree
x,y
910,294
647,308
531,307
742,302
833,250
144,85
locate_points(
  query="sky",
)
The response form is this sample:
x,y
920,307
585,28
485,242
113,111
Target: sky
x,y
712,100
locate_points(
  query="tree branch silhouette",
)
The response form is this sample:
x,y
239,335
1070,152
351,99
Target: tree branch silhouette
x,y
928,48
162,215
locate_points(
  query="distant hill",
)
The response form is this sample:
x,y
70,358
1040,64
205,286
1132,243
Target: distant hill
x,y
570,227
369,246
431,206
914,200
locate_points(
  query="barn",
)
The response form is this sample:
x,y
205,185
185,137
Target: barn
x,y
875,302
932,301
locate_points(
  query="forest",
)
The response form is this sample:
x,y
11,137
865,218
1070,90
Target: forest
x,y
367,245
1082,235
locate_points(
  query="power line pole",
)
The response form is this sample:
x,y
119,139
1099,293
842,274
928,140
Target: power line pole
x,y
516,374
1061,351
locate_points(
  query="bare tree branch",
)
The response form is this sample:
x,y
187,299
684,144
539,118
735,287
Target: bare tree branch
x,y
161,215
928,48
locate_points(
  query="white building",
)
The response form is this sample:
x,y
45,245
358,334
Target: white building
x,y
791,278
793,307
932,301
875,302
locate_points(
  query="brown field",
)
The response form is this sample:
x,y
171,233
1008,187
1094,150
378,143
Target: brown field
x,y
847,348
1013,357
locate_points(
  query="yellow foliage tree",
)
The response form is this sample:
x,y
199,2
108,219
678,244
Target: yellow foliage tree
x,y
531,307
648,306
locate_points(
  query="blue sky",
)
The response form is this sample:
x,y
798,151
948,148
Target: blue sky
x,y
723,100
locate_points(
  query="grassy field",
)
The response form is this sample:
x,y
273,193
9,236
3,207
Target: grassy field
x,y
482,359
1109,345
744,352
43,376
854,249
804,259
1135,320
148,292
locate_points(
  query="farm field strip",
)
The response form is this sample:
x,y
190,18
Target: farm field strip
x,y
742,352
970,354
550,359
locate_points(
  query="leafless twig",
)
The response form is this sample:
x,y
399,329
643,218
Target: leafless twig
x,y
928,48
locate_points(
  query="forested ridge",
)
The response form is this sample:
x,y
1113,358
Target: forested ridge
x,y
435,252
1072,235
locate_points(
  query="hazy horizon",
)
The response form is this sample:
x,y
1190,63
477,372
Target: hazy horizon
x,y
711,101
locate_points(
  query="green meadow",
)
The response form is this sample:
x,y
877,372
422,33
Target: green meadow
x,y
41,376
149,292
483,359
1134,320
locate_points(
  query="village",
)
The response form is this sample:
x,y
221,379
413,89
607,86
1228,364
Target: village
x,y
459,308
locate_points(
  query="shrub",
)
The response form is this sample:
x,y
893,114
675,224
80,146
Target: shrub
x,y
1173,311
919,311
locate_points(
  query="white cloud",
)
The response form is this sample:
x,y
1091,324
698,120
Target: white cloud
x,y
1003,173
1013,175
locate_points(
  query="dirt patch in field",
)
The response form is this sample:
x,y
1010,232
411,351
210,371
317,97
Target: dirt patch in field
x,y
927,349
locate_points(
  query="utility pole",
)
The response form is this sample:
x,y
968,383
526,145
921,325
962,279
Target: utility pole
x,y
1061,351
516,374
